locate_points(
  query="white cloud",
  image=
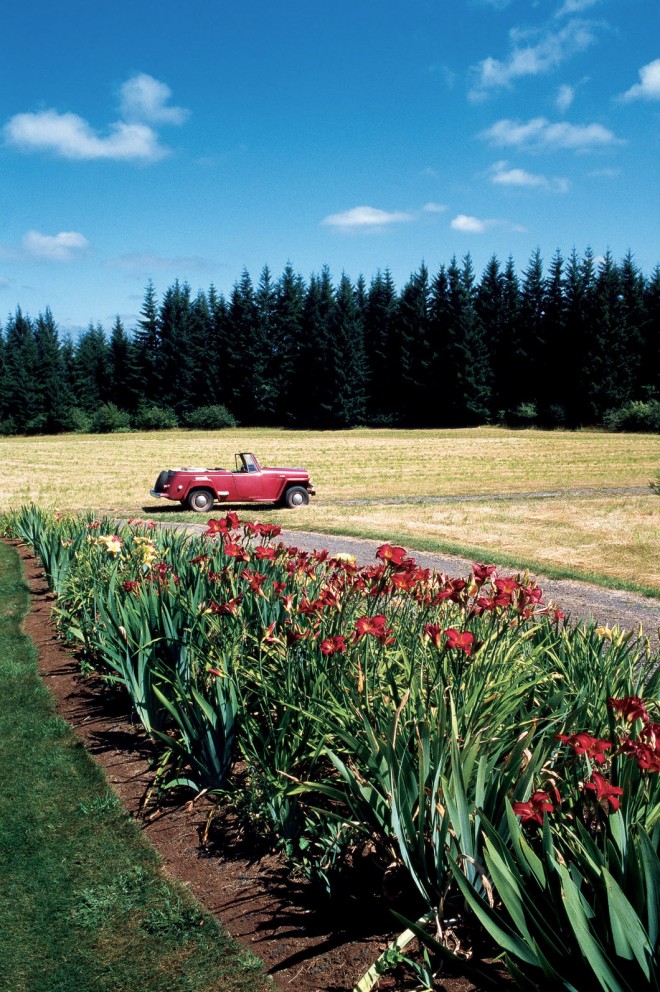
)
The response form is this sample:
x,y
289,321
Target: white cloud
x,y
575,7
69,136
564,98
62,247
541,135
144,98
470,225
648,88
434,208
550,51
605,173
365,218
502,175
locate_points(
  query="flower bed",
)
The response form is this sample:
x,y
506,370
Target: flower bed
x,y
492,760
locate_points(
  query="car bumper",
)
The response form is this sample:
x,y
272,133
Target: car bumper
x,y
153,492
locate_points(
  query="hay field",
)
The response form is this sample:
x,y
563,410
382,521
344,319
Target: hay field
x,y
614,536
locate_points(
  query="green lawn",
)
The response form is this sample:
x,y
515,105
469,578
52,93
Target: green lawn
x,y
84,906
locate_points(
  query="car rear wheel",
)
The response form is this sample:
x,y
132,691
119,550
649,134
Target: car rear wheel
x,y
296,496
200,500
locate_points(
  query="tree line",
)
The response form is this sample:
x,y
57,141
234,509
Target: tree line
x,y
555,348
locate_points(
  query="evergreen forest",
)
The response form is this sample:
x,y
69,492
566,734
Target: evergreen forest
x,y
574,345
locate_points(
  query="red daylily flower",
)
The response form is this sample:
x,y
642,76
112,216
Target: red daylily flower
x,y
535,808
592,747
265,553
132,586
434,633
233,550
482,572
216,526
605,791
255,580
391,554
647,755
229,607
333,645
630,708
232,521
375,626
463,640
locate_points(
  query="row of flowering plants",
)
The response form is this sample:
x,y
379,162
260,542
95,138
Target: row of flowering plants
x,y
489,758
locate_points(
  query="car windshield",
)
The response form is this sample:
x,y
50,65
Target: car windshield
x,y
245,463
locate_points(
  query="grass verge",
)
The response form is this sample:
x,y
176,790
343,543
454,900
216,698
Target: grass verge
x,y
83,903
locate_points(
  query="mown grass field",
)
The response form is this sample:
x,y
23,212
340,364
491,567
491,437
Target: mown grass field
x,y
608,537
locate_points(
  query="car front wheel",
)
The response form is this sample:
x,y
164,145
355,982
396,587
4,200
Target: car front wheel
x,y
201,500
296,496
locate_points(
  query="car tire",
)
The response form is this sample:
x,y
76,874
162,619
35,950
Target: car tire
x,y
161,481
296,496
200,500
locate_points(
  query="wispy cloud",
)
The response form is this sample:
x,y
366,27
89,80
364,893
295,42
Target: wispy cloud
x,y
503,175
62,247
366,219
575,7
648,88
539,134
434,208
533,54
470,225
143,263
564,98
143,99
4,282
466,224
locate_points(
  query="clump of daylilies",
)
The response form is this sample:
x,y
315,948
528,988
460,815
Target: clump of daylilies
x,y
456,726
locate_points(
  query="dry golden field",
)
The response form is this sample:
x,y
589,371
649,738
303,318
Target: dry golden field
x,y
615,536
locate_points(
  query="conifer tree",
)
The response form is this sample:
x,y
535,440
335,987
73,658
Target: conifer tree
x,y
51,379
382,356
285,344
205,389
123,368
416,387
245,356
311,389
346,370
91,369
649,388
174,363
22,397
146,341
552,378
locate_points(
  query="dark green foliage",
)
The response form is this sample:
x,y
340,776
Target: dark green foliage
x,y
150,417
210,418
635,416
109,419
549,350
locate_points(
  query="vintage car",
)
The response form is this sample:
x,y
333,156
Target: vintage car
x,y
249,482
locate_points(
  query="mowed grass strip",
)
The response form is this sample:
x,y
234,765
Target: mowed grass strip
x,y
83,904
608,538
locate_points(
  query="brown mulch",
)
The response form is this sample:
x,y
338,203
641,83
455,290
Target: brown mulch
x,y
306,945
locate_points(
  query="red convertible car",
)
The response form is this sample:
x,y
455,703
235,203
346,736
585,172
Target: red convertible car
x,y
249,482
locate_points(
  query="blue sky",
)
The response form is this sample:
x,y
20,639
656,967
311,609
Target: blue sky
x,y
148,139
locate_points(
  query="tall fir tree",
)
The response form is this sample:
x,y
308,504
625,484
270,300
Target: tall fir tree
x,y
311,388
23,397
286,343
52,380
382,355
346,369
146,341
174,362
124,391
91,369
416,388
